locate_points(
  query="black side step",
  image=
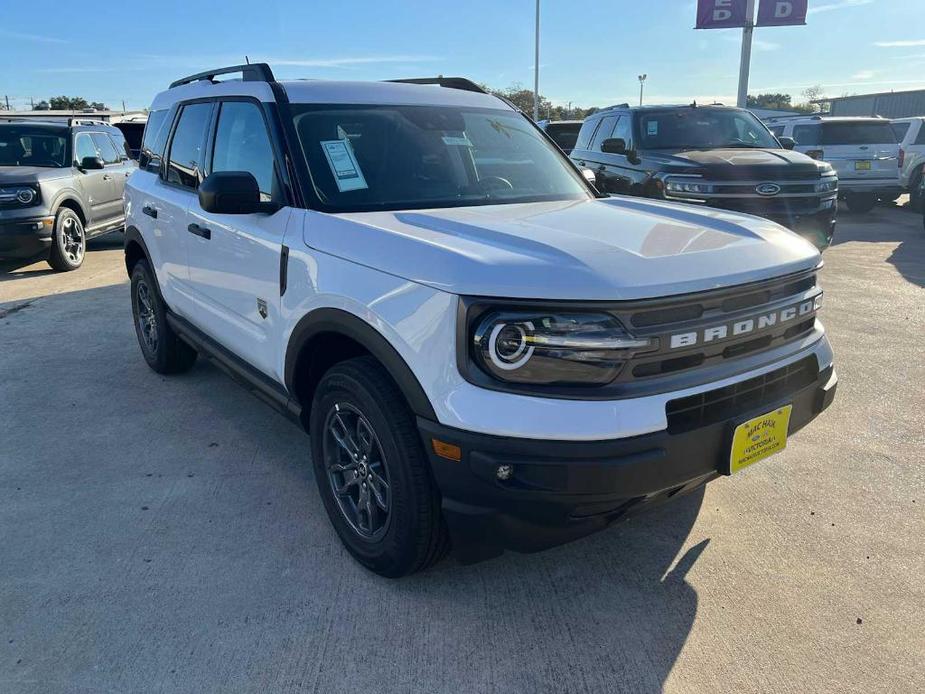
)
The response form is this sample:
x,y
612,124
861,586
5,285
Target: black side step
x,y
261,385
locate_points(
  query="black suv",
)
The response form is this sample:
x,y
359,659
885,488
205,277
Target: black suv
x,y
60,184
709,155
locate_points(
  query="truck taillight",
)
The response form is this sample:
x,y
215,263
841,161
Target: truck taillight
x,y
815,154
902,157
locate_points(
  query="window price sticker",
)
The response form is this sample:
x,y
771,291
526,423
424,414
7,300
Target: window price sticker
x,y
344,166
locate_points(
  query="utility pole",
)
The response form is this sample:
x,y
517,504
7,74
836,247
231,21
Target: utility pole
x,y
536,67
746,57
642,82
568,111
6,97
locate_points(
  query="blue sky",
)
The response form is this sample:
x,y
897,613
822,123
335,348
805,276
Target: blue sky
x,y
591,53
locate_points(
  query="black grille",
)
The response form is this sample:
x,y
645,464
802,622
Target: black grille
x,y
685,414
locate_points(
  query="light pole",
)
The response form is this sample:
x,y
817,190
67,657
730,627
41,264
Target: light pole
x,y
536,67
746,55
642,81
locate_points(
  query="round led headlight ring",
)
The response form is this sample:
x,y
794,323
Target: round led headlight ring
x,y
508,347
25,195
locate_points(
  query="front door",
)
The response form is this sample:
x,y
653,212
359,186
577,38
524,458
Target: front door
x,y
234,260
94,182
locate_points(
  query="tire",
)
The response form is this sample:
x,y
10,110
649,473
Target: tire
x,y
915,190
161,347
859,203
363,433
68,241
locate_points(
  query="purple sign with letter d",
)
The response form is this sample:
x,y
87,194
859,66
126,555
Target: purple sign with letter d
x,y
721,14
779,13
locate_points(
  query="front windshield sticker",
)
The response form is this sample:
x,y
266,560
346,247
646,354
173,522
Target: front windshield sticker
x,y
652,127
344,165
459,141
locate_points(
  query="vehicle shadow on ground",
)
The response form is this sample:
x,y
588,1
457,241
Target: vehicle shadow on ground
x,y
14,268
176,536
902,225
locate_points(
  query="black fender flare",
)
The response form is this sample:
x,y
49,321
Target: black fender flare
x,y
132,235
332,320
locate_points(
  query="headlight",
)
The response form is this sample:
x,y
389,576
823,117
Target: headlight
x,y
553,348
680,186
829,184
23,195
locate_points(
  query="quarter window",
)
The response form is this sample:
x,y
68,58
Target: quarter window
x,y
586,133
920,138
107,150
243,144
185,163
154,140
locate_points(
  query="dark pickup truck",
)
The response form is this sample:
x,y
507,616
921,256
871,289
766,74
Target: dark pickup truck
x,y
709,155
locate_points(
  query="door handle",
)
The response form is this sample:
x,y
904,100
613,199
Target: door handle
x,y
107,177
150,211
200,231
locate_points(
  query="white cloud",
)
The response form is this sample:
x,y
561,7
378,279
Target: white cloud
x,y
864,75
900,44
839,5
35,38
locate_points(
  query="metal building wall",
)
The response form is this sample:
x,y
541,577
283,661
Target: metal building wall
x,y
895,105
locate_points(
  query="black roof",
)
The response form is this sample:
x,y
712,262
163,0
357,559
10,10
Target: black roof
x,y
664,107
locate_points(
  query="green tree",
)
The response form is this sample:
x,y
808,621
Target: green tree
x,y
42,106
775,101
68,103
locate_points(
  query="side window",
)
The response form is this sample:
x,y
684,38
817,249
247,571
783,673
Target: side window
x,y
586,133
603,132
84,147
243,144
624,131
184,164
806,134
920,138
118,139
900,130
778,130
107,150
154,140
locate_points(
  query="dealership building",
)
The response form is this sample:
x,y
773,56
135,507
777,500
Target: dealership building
x,y
886,104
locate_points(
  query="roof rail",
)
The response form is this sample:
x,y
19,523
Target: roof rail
x,y
448,82
77,120
609,108
252,72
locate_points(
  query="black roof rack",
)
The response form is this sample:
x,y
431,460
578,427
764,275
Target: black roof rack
x,y
448,82
610,108
252,72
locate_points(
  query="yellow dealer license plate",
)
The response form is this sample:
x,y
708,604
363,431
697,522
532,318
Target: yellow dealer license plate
x,y
862,166
759,437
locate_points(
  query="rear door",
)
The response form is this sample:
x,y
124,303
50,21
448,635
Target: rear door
x,y
234,259
861,149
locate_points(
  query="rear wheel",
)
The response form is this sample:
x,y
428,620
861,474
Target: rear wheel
x,y
859,203
372,472
162,348
68,241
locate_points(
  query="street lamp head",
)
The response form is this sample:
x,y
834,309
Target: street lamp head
x,y
642,77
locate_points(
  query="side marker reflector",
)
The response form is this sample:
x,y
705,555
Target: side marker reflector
x,y
447,450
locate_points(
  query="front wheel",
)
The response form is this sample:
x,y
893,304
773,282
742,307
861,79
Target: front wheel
x,y
372,472
68,242
859,203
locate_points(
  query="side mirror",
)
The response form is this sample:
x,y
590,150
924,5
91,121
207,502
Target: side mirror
x,y
91,164
787,142
614,145
589,175
232,192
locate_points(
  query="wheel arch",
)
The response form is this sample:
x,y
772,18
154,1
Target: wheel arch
x,y
327,336
72,201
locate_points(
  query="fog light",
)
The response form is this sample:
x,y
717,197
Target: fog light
x,y
504,472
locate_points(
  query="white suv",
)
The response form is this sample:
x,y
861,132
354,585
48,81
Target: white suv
x,y
863,151
484,351
910,132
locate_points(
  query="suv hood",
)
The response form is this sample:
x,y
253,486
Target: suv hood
x,y
29,174
607,249
736,163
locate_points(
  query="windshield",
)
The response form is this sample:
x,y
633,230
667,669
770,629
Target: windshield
x,y
702,128
30,146
401,157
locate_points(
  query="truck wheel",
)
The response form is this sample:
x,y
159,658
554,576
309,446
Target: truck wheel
x,y
915,190
68,241
372,473
162,348
858,203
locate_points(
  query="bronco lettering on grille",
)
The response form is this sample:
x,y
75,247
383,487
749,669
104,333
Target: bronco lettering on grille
x,y
724,331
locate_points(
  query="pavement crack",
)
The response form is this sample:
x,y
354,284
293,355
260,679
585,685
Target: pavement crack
x,y
4,312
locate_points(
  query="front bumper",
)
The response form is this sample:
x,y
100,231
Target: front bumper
x,y
25,238
563,490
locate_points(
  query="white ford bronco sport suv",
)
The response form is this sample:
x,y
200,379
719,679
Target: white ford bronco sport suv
x,y
485,352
